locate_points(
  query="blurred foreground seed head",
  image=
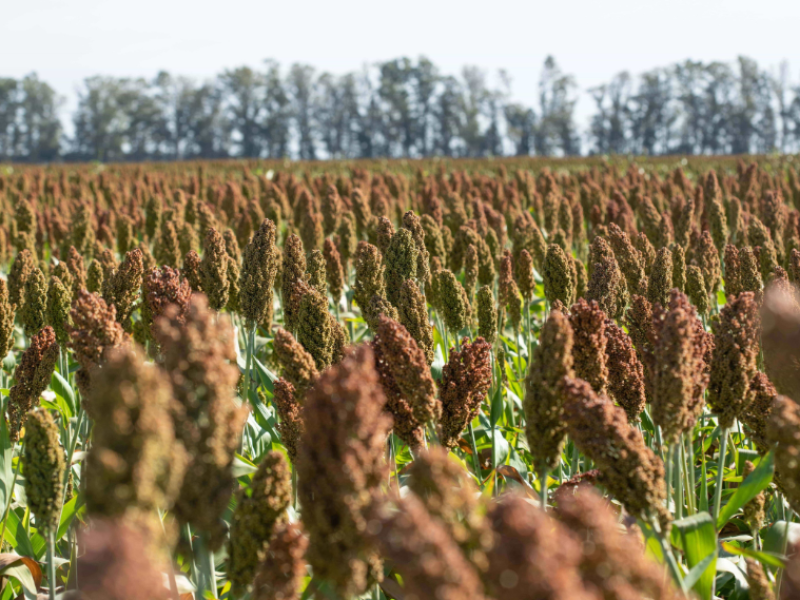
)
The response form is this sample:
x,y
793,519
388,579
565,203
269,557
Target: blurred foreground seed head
x,y
199,357
452,498
533,556
340,462
783,429
422,551
282,568
260,508
780,339
115,564
613,562
135,466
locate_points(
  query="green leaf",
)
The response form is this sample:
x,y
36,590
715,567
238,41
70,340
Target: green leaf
x,y
697,571
702,504
755,483
765,558
6,469
16,531
500,448
68,513
62,388
266,376
497,406
699,539
242,466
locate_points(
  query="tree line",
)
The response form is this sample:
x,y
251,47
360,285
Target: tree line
x,y
402,108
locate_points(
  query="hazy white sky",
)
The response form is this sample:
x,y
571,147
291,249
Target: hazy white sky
x,y
67,40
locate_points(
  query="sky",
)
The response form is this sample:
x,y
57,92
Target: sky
x,y
65,41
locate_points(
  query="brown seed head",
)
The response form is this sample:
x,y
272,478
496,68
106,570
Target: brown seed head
x,y
259,267
161,288
625,372
452,499
6,321
545,427
121,287
197,352
334,271
465,380
214,270
534,558
340,461
783,429
135,465
421,550
612,562
369,280
734,361
588,323
280,573
291,428
21,270
487,314
32,377
406,379
557,276
628,468
298,365
630,260
757,414
115,564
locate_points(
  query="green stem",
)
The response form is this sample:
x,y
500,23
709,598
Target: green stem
x,y
251,346
784,544
669,463
70,454
208,567
187,531
573,468
51,564
394,462
476,461
543,487
666,548
676,451
723,447
688,473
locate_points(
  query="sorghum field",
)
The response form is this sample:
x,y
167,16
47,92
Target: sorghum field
x,y
445,380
